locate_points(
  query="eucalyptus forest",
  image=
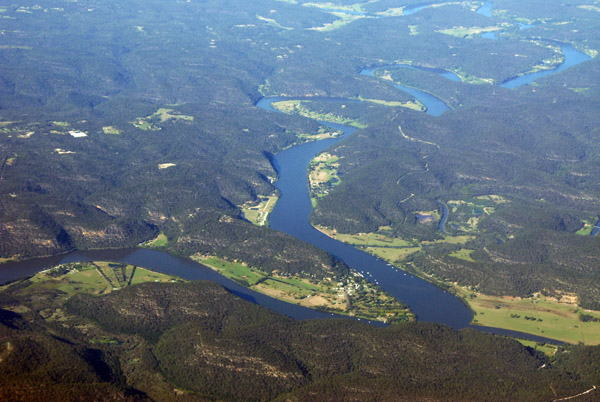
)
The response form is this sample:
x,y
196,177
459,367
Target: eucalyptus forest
x,y
437,240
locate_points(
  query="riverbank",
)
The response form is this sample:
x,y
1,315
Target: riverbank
x,y
291,213
351,295
556,318
546,316
94,277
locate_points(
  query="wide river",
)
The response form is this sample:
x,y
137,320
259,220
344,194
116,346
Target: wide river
x,y
291,214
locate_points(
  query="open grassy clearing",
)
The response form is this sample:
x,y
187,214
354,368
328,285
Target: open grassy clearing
x,y
167,165
469,78
273,23
15,46
352,295
323,133
345,14
162,115
366,239
98,277
111,130
465,214
450,240
298,288
498,199
142,124
7,123
392,12
463,254
357,7
470,32
538,315
393,255
587,228
546,348
12,128
392,249
258,214
582,90
165,114
413,104
590,8
322,175
239,272
160,240
300,107
428,216
344,19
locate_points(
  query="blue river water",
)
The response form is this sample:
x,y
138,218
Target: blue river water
x,y
435,106
596,229
291,215
429,302
165,263
572,58
444,217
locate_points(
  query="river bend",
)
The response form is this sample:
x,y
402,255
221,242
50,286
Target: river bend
x,y
290,215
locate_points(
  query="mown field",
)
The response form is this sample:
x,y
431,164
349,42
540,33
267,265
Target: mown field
x,y
539,315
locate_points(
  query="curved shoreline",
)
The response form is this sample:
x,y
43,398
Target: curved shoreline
x,y
291,215
573,57
444,217
169,264
434,105
409,286
429,302
304,231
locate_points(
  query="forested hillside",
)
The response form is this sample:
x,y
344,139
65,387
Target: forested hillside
x,y
135,123
196,341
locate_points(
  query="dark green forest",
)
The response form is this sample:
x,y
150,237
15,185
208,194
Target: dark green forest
x,y
121,120
197,342
211,61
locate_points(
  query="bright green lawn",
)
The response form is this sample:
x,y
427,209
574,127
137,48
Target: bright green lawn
x,y
393,255
87,278
547,318
234,270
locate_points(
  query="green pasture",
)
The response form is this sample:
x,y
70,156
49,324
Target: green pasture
x,y
538,316
235,271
